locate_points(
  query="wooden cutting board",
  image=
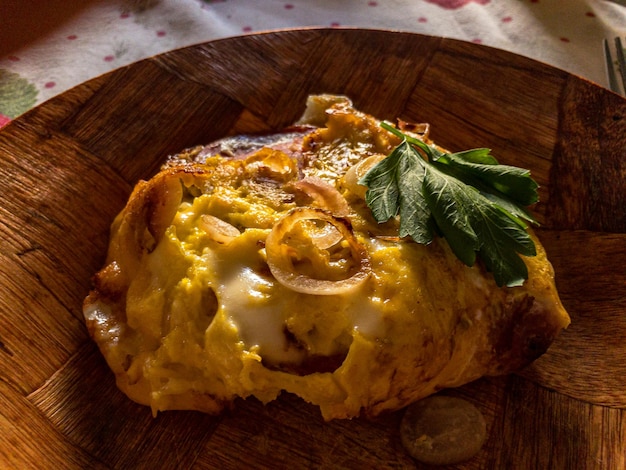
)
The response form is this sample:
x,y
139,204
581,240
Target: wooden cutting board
x,y
68,166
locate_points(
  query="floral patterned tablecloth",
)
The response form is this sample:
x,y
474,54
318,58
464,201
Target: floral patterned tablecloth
x,y
99,36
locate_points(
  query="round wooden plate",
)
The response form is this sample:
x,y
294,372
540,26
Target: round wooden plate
x,y
68,166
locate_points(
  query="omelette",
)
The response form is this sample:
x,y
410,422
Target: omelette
x,y
253,266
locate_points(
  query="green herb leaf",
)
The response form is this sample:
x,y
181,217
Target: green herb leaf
x,y
513,182
468,197
390,192
449,201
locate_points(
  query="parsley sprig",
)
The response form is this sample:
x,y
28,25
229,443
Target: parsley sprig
x,y
477,204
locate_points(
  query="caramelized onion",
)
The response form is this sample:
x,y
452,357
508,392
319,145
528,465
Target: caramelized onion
x,y
420,130
324,195
356,172
325,236
217,229
270,163
283,257
161,198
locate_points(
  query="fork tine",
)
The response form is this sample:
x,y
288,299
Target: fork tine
x,y
610,68
621,61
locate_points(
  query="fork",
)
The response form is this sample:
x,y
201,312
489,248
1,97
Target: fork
x,y
610,66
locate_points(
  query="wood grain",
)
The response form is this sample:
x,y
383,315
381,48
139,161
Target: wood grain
x,y
68,166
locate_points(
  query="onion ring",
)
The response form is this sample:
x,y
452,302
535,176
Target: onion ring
x,y
356,172
324,237
217,229
324,195
281,255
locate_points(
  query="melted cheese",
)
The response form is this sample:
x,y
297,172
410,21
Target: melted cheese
x,y
190,320
259,307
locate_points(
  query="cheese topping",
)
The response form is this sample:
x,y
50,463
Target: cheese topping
x,y
248,276
266,314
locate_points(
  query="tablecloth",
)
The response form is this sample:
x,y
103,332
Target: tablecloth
x,y
47,47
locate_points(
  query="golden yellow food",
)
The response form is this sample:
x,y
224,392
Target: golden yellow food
x,y
253,266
